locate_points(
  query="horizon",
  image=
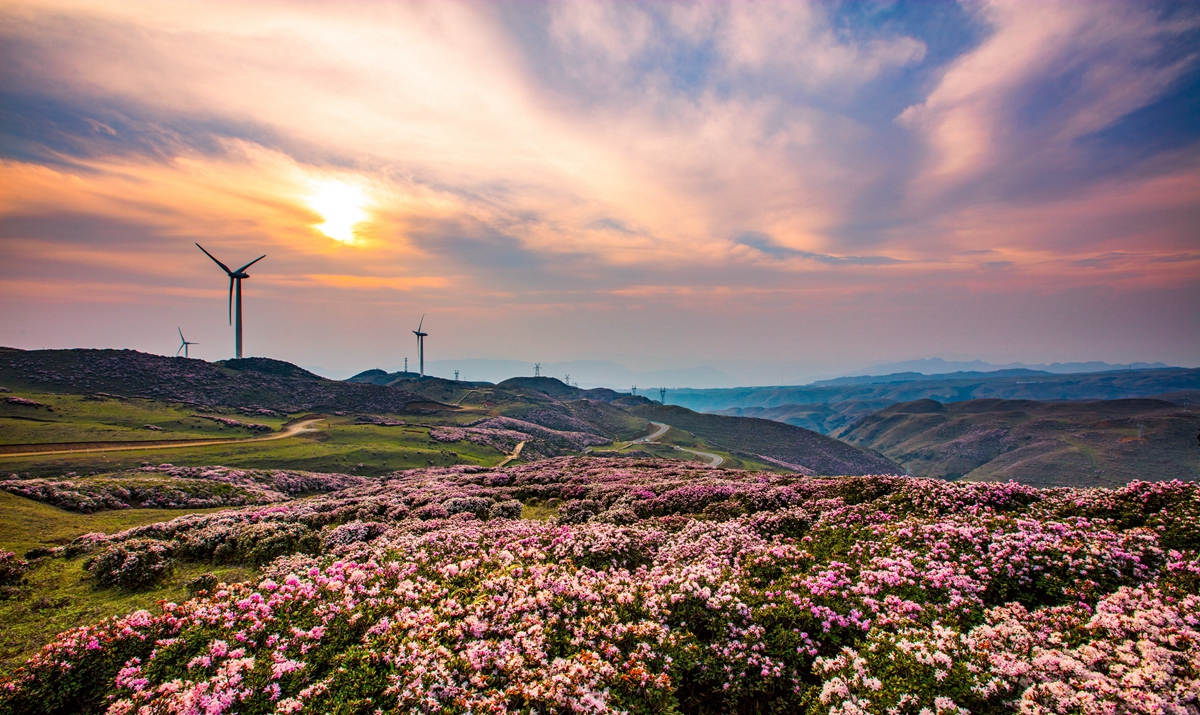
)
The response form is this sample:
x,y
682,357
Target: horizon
x,y
585,377
777,193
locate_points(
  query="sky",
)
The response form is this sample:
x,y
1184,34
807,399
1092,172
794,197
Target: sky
x,y
776,190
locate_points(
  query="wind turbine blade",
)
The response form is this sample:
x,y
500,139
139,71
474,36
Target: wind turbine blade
x,y
231,279
222,265
179,350
421,323
181,338
251,263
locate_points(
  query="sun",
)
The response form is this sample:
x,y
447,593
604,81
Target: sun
x,y
341,205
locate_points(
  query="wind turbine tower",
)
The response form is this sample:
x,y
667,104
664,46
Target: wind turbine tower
x,y
235,277
183,347
421,344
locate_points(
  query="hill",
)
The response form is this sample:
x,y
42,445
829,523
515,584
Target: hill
x,y
249,382
785,445
826,408
1092,443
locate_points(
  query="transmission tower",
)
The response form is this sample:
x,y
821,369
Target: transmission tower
x,y
456,375
537,369
662,395
634,391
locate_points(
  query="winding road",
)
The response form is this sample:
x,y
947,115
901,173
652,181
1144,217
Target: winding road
x,y
288,431
714,460
516,453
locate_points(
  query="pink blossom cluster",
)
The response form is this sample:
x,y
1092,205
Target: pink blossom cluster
x,y
12,568
503,434
230,422
502,440
673,589
171,487
23,401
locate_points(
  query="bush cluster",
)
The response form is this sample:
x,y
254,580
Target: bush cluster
x,y
12,568
132,564
662,588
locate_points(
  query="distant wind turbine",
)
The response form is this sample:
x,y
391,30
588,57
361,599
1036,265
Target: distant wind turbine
x,y
183,344
235,277
421,344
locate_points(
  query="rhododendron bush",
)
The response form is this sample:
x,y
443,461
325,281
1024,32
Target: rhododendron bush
x,y
662,588
169,487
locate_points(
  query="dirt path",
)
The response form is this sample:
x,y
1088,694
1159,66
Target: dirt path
x,y
288,431
714,460
516,453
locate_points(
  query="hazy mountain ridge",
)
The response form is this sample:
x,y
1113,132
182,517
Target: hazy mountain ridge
x,y
935,366
1082,443
844,403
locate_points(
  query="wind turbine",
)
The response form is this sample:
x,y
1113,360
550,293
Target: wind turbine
x,y
421,344
234,277
183,347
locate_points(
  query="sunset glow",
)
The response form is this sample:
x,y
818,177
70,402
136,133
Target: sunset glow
x,y
341,206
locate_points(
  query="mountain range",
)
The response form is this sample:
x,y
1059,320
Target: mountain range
x,y
937,366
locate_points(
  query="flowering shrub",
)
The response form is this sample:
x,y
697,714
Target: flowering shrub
x,y
133,564
503,434
661,588
23,401
170,487
12,569
230,422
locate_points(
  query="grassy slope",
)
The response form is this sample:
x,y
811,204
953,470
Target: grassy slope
x,y
749,438
1045,444
57,594
338,446
665,448
74,418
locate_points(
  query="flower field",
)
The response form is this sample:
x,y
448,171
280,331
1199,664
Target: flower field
x,y
657,588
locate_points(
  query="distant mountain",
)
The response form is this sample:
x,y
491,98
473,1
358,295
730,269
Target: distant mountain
x,y
917,376
585,373
1102,443
828,407
937,366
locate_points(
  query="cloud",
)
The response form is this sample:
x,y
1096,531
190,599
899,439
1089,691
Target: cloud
x,y
616,157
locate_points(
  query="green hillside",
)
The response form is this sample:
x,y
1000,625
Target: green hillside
x,y
1096,443
765,440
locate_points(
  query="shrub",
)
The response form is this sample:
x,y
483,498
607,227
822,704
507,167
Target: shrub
x,y
134,565
578,511
12,569
204,583
510,509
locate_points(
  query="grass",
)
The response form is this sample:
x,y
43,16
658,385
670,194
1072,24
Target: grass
x,y
79,418
538,510
58,594
338,445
